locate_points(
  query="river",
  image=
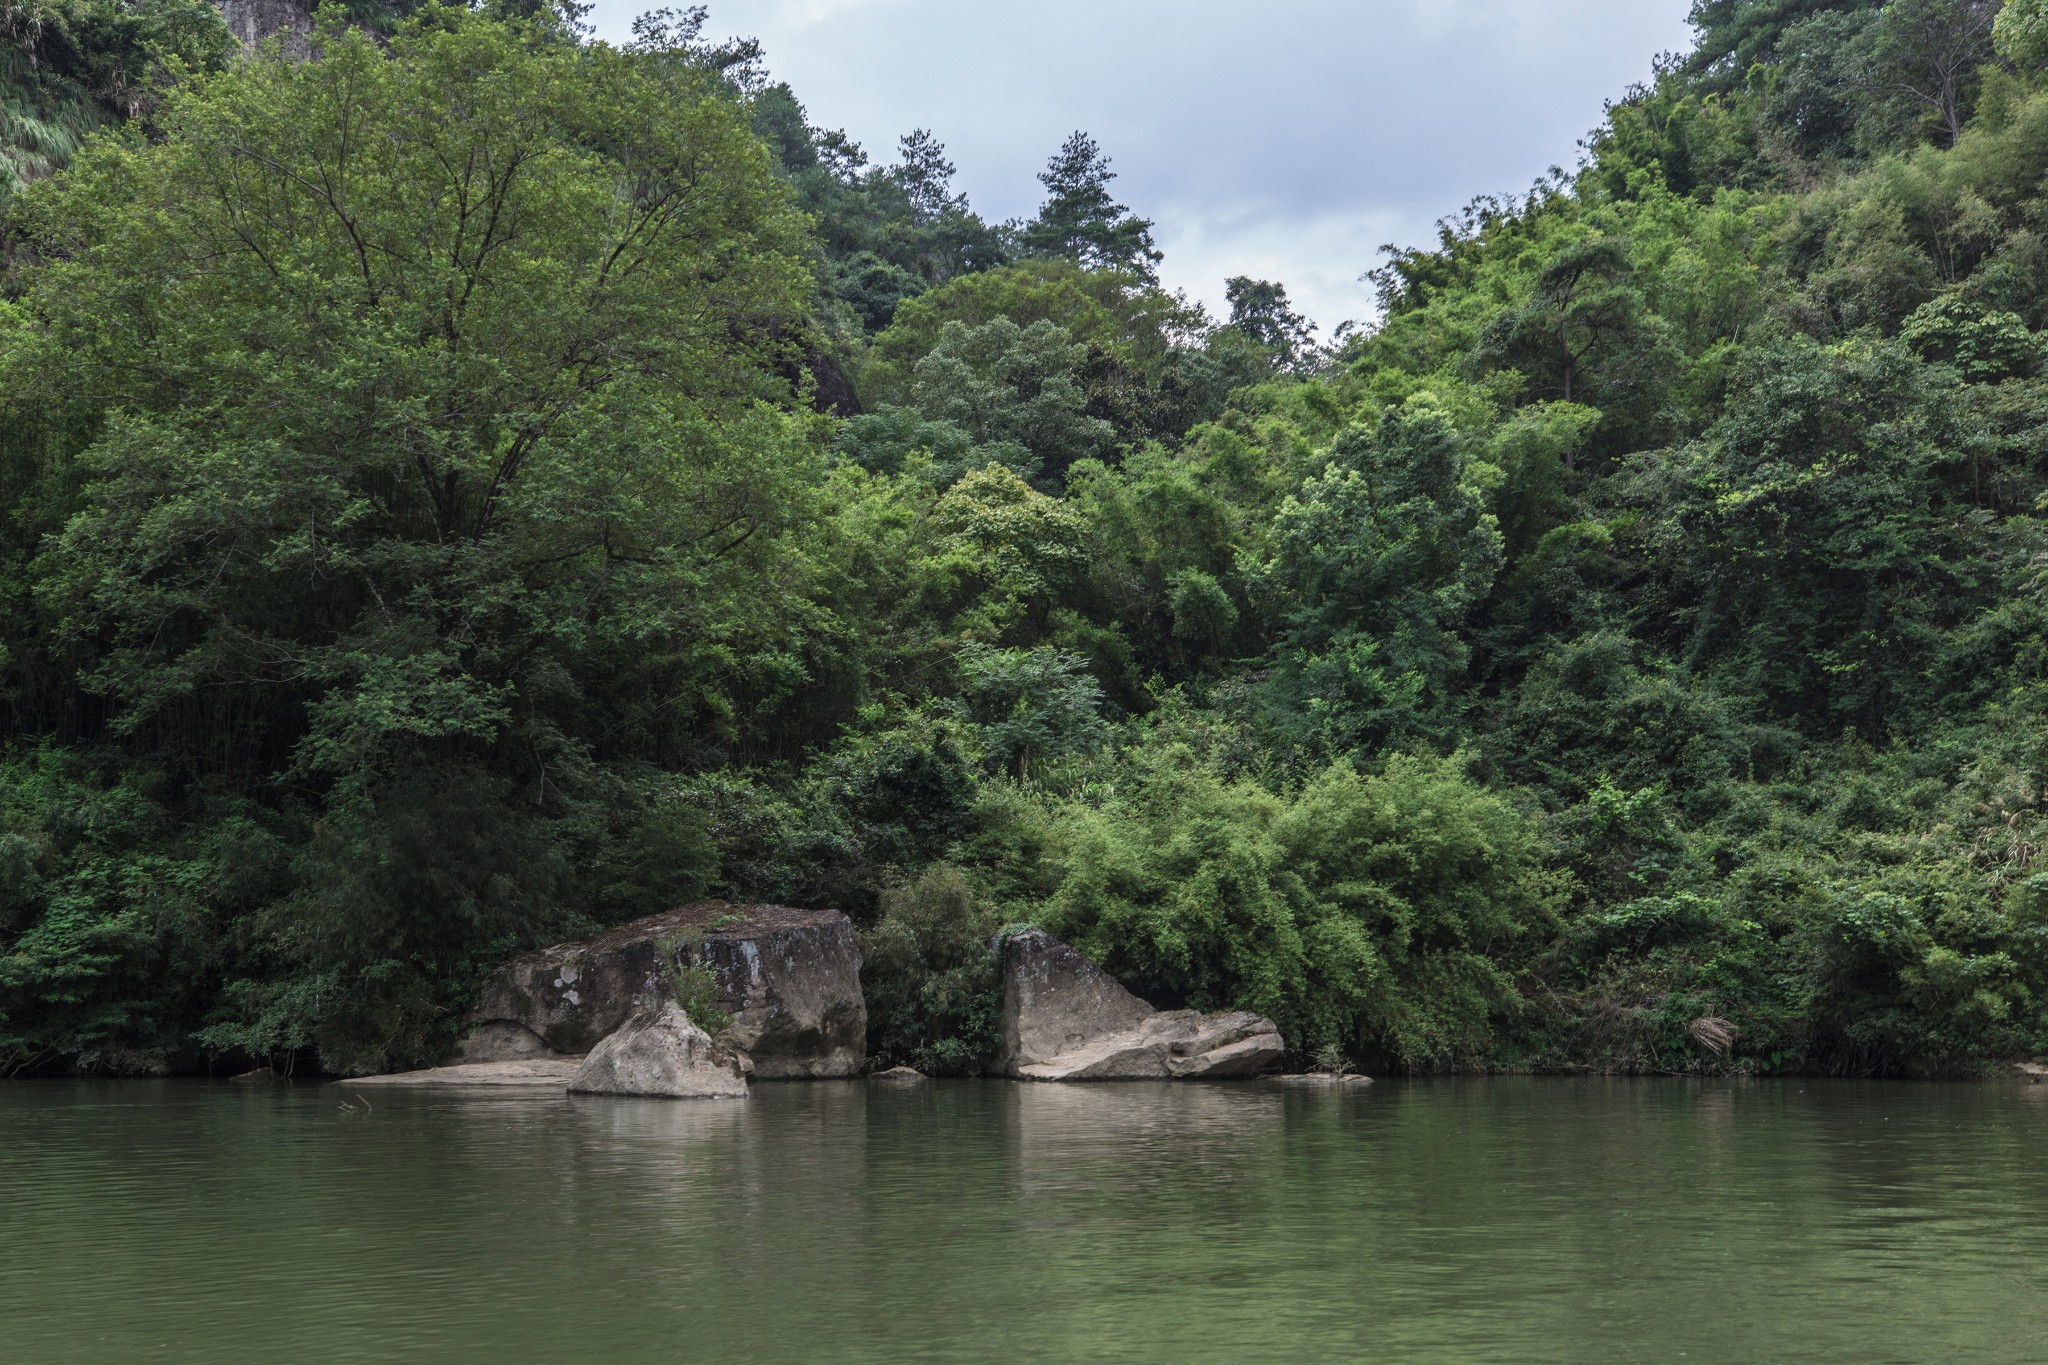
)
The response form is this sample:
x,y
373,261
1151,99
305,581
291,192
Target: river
x,y
1466,1220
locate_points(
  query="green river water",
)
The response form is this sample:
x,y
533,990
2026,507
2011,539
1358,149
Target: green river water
x,y
1470,1220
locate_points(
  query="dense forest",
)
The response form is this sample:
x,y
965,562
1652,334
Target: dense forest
x,y
480,484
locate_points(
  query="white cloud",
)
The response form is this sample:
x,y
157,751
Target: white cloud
x,y
796,15
1285,139
1318,257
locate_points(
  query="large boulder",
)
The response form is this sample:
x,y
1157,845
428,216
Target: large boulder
x,y
660,1052
790,979
1065,1019
1055,1000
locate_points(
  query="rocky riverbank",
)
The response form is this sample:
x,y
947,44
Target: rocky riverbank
x,y
789,981
600,1015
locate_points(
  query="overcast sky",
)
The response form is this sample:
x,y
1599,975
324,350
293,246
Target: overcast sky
x,y
1285,139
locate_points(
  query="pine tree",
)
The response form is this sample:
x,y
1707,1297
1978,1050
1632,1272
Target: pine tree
x,y
1079,218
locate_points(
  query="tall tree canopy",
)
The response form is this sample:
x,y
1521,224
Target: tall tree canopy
x,y
421,397
1081,219
476,484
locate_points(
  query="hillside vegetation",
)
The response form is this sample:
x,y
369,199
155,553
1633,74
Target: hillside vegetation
x,y
480,485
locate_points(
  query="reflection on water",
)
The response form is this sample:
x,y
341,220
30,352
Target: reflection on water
x,y
1543,1220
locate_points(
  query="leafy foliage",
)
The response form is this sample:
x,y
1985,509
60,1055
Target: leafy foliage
x,y
373,506
929,972
1388,909
1079,217
479,485
70,67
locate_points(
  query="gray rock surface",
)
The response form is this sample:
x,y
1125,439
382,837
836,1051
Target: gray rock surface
x,y
552,1072
1065,1019
790,979
898,1074
660,1052
252,21
501,1040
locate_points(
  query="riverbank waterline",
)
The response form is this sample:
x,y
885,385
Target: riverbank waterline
x,y
1526,1219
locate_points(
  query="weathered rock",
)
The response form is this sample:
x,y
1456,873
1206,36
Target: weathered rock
x,y
660,1052
898,1074
790,979
1169,1045
252,21
1054,1000
1065,1019
552,1072
1321,1080
501,1040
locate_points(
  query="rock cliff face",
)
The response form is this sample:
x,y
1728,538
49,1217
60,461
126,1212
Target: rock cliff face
x,y
790,979
1065,1019
254,20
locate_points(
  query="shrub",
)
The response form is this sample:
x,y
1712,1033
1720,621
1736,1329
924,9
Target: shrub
x,y
1384,912
930,975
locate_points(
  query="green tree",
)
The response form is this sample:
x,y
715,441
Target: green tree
x,y
1374,568
1927,53
1081,219
1013,390
445,440
1144,353
1016,545
933,987
1029,706
1821,546
1259,309
884,441
1987,345
885,234
2020,33
1374,911
1584,317
1736,36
